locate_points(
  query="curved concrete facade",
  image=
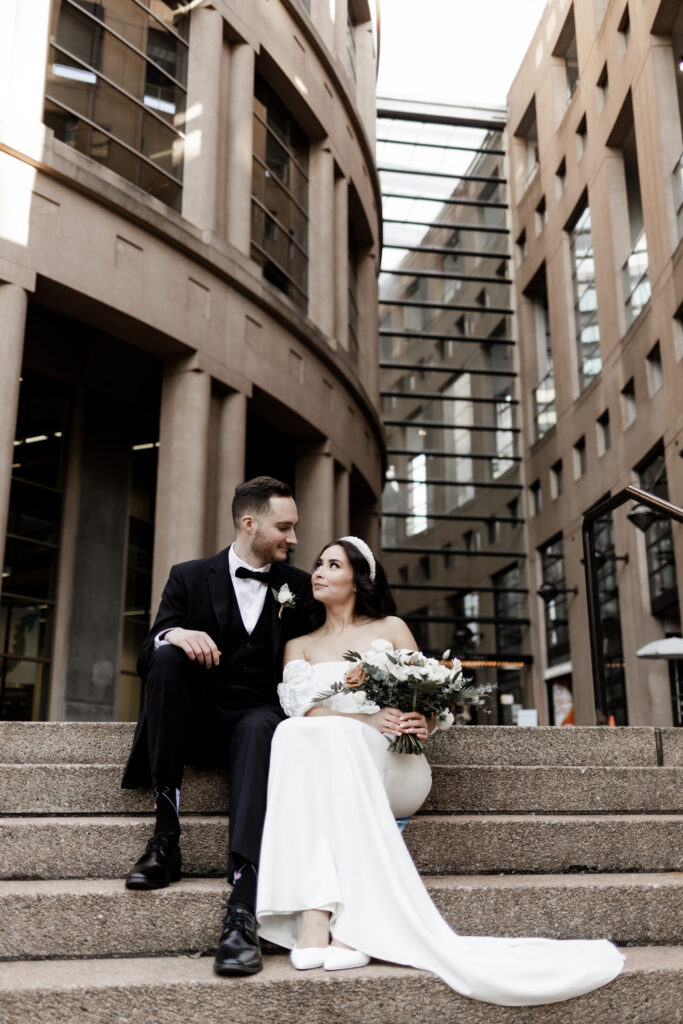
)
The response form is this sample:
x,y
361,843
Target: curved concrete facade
x,y
165,314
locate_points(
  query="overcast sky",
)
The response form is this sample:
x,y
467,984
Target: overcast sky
x,y
454,51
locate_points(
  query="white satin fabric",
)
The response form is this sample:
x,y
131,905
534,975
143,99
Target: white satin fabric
x,y
330,842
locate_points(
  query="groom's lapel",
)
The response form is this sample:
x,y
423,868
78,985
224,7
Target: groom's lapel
x,y
220,587
275,619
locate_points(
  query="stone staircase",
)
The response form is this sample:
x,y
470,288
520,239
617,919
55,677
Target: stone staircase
x,y
565,833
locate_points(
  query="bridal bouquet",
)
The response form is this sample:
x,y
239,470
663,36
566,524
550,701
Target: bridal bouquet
x,y
409,681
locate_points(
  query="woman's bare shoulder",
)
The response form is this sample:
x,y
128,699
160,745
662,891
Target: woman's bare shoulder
x,y
295,649
396,630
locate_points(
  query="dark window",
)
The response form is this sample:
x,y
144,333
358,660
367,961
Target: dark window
x,y
585,294
353,294
507,608
279,196
556,620
661,567
29,571
116,88
608,599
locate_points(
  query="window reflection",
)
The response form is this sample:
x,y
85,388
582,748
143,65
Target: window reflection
x,y
109,63
279,191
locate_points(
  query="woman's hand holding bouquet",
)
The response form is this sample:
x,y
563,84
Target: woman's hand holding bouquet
x,y
409,681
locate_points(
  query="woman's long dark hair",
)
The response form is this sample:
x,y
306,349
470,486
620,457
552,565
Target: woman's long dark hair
x,y
374,599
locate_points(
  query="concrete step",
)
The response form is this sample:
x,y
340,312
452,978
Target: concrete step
x,y
109,743
183,990
99,917
97,847
95,789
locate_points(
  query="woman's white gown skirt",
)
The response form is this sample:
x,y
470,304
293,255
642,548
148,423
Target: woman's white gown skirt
x,y
331,842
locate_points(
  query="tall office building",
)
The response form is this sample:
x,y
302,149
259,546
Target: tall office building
x,y
189,236
452,519
595,119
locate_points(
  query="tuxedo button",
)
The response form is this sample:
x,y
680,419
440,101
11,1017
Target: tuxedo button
x,y
248,646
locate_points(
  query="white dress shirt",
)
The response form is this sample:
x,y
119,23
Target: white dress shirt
x,y
251,595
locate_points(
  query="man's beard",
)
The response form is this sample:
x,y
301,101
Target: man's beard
x,y
267,551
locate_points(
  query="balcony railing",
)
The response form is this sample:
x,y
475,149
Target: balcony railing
x,y
636,273
545,412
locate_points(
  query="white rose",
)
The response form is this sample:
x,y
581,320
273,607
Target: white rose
x,y
284,594
377,659
445,720
381,645
360,696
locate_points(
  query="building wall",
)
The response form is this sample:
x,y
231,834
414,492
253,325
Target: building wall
x,y
165,314
581,145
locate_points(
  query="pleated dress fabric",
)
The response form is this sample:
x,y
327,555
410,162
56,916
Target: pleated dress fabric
x,y
330,842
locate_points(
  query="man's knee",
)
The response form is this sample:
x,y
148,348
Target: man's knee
x,y
169,666
258,724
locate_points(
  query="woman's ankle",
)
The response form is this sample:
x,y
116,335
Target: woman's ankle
x,y
315,930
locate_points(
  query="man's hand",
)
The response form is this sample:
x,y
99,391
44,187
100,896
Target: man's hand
x,y
198,646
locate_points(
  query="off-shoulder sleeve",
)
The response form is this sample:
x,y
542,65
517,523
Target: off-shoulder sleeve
x,y
298,688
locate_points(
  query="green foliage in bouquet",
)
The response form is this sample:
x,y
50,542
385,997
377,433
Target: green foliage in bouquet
x,y
409,681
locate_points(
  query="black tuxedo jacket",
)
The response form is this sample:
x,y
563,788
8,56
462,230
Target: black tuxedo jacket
x,y
197,596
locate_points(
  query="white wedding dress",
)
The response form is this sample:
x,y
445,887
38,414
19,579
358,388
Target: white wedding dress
x,y
331,842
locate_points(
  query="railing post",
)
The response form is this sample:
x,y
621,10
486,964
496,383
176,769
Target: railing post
x,y
594,622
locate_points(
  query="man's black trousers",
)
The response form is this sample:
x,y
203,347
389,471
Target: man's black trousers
x,y
190,720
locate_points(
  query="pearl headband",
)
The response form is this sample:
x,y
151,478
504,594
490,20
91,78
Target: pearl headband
x,y
365,552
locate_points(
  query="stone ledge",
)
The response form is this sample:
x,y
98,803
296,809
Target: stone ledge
x,y
105,847
180,990
99,917
109,743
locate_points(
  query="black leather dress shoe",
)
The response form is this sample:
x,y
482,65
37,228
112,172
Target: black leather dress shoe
x,y
159,864
238,951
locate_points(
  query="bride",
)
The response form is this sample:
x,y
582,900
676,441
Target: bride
x,y
333,863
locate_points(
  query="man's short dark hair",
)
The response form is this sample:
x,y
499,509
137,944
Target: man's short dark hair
x,y
253,496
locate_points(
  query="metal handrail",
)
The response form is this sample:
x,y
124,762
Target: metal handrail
x,y
591,570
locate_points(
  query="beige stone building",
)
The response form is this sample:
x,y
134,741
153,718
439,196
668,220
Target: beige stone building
x,y
595,144
189,237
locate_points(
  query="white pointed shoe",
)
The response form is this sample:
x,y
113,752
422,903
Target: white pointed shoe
x,y
339,959
306,959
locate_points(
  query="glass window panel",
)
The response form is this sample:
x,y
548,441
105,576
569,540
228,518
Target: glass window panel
x,y
78,34
34,512
29,568
69,83
122,65
159,186
160,144
117,114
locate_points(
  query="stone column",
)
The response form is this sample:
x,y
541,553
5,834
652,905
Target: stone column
x,y
240,146
368,325
341,262
203,104
13,303
341,8
182,472
89,690
366,77
315,501
321,224
341,501
232,440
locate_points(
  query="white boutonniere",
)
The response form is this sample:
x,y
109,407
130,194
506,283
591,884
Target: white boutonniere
x,y
284,597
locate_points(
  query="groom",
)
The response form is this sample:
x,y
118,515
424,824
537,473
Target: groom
x,y
211,664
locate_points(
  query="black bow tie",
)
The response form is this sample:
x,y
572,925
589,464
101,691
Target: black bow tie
x,y
251,574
